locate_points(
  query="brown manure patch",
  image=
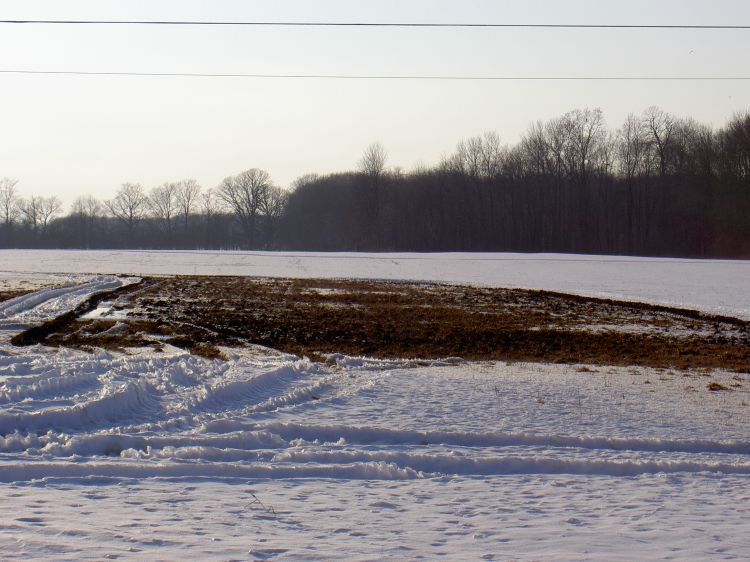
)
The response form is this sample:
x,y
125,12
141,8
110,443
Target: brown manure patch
x,y
410,320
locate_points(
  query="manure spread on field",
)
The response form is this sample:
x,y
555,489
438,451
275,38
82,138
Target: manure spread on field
x,y
405,320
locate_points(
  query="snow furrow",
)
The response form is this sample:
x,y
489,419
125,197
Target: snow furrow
x,y
107,444
360,465
248,389
468,466
30,471
372,435
131,402
48,387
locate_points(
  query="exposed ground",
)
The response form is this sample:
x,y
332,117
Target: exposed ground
x,y
7,295
400,320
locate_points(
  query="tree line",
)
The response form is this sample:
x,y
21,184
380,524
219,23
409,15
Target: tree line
x,y
657,185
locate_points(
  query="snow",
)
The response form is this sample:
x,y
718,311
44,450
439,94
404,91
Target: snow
x,y
160,455
715,286
165,455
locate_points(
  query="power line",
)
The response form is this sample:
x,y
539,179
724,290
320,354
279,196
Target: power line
x,y
375,24
374,76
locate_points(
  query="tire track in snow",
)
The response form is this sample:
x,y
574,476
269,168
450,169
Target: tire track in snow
x,y
132,401
48,387
256,391
173,415
387,466
35,471
380,436
54,298
440,465
35,308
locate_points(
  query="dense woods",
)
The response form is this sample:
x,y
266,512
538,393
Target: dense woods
x,y
657,185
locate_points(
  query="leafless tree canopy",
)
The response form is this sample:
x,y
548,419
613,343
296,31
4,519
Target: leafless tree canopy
x,y
188,193
8,201
243,194
129,206
87,206
479,157
373,160
656,185
39,211
210,205
50,207
162,202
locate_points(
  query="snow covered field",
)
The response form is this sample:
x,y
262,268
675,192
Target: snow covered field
x,y
164,455
715,286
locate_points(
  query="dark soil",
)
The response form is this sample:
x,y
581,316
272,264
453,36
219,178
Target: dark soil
x,y
409,320
7,295
41,333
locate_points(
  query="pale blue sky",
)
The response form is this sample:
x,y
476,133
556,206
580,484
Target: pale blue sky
x,y
76,135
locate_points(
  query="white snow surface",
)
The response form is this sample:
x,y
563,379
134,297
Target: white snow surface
x,y
167,455
715,286
164,455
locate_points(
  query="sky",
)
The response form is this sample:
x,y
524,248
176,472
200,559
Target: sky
x,y
76,135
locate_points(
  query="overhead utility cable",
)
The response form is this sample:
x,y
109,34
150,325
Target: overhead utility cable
x,y
377,24
369,77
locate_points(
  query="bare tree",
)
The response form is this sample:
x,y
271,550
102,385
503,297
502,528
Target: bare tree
x,y
587,136
558,133
372,165
129,206
734,145
8,200
373,160
162,203
304,180
493,155
39,211
31,210
243,194
209,203
660,126
469,156
632,148
85,212
49,208
272,203
188,192
535,150
87,206
478,157
210,206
